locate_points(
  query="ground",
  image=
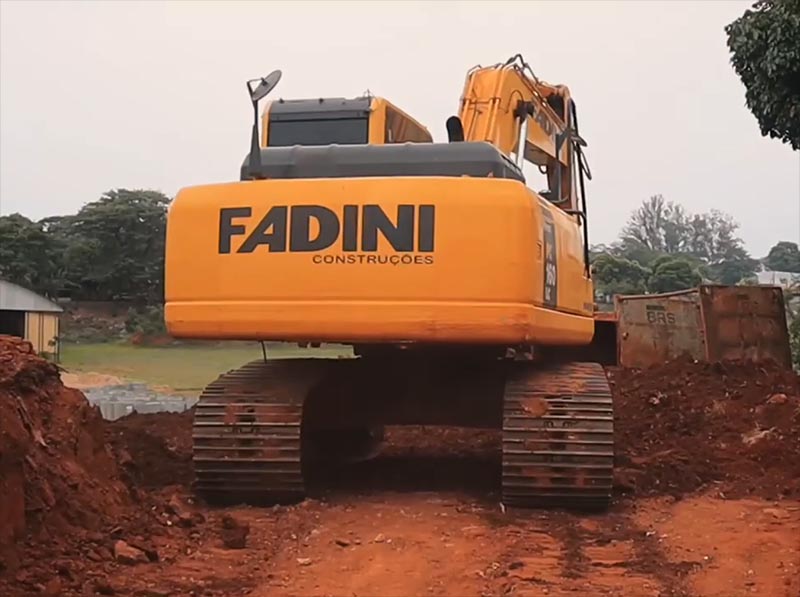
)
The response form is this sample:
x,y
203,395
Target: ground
x,y
401,526
181,369
706,505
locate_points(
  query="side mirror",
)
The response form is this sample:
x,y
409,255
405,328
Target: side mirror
x,y
257,93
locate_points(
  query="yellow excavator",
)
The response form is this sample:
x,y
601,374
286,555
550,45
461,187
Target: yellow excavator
x,y
465,295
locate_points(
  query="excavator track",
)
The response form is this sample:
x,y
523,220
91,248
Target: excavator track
x,y
558,426
247,432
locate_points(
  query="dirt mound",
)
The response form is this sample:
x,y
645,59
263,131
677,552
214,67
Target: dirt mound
x,y
687,425
155,449
70,513
56,471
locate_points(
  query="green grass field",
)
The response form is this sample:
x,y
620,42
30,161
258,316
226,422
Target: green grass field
x,y
182,369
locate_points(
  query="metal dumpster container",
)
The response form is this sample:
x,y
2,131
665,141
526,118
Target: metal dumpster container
x,y
745,322
708,323
654,328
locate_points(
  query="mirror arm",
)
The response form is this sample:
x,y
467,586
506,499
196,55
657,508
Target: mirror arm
x,y
255,146
256,93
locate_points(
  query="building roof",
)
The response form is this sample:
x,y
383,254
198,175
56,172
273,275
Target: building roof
x,y
17,298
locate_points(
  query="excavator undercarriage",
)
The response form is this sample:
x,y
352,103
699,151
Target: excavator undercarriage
x,y
258,429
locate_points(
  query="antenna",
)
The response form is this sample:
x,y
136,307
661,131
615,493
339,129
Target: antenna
x,y
257,93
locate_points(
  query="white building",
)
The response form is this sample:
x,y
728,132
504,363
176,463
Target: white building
x,y
782,279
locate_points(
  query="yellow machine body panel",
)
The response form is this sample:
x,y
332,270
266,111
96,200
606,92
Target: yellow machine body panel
x,y
376,259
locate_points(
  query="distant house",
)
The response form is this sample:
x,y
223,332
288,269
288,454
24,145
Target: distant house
x,y
30,316
782,279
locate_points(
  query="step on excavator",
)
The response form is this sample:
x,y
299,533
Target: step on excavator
x,y
465,296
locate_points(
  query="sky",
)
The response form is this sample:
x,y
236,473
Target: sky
x,y
102,95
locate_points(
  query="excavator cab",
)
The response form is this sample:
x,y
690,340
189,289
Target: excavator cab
x,y
339,121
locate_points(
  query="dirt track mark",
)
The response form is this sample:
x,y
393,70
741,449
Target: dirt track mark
x,y
575,559
651,558
565,553
425,544
729,548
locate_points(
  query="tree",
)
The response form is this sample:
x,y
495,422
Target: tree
x,y
116,246
673,273
731,271
765,53
28,256
784,257
617,275
794,342
600,249
113,248
657,226
712,237
709,240
791,299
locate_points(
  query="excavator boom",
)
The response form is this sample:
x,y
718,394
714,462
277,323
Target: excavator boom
x,y
507,105
495,97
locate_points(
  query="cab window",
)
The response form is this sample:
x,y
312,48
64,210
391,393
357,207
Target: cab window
x,y
399,129
341,131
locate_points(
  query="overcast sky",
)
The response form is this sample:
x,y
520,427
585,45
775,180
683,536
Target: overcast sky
x,y
102,95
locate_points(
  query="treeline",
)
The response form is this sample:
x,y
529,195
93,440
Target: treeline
x,y
664,248
111,250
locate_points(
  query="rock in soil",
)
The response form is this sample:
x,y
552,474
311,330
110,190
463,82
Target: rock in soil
x,y
126,554
234,532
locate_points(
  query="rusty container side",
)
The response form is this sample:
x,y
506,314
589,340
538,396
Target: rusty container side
x,y
745,322
655,328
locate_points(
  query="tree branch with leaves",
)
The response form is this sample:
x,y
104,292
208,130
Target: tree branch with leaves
x,y
765,53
